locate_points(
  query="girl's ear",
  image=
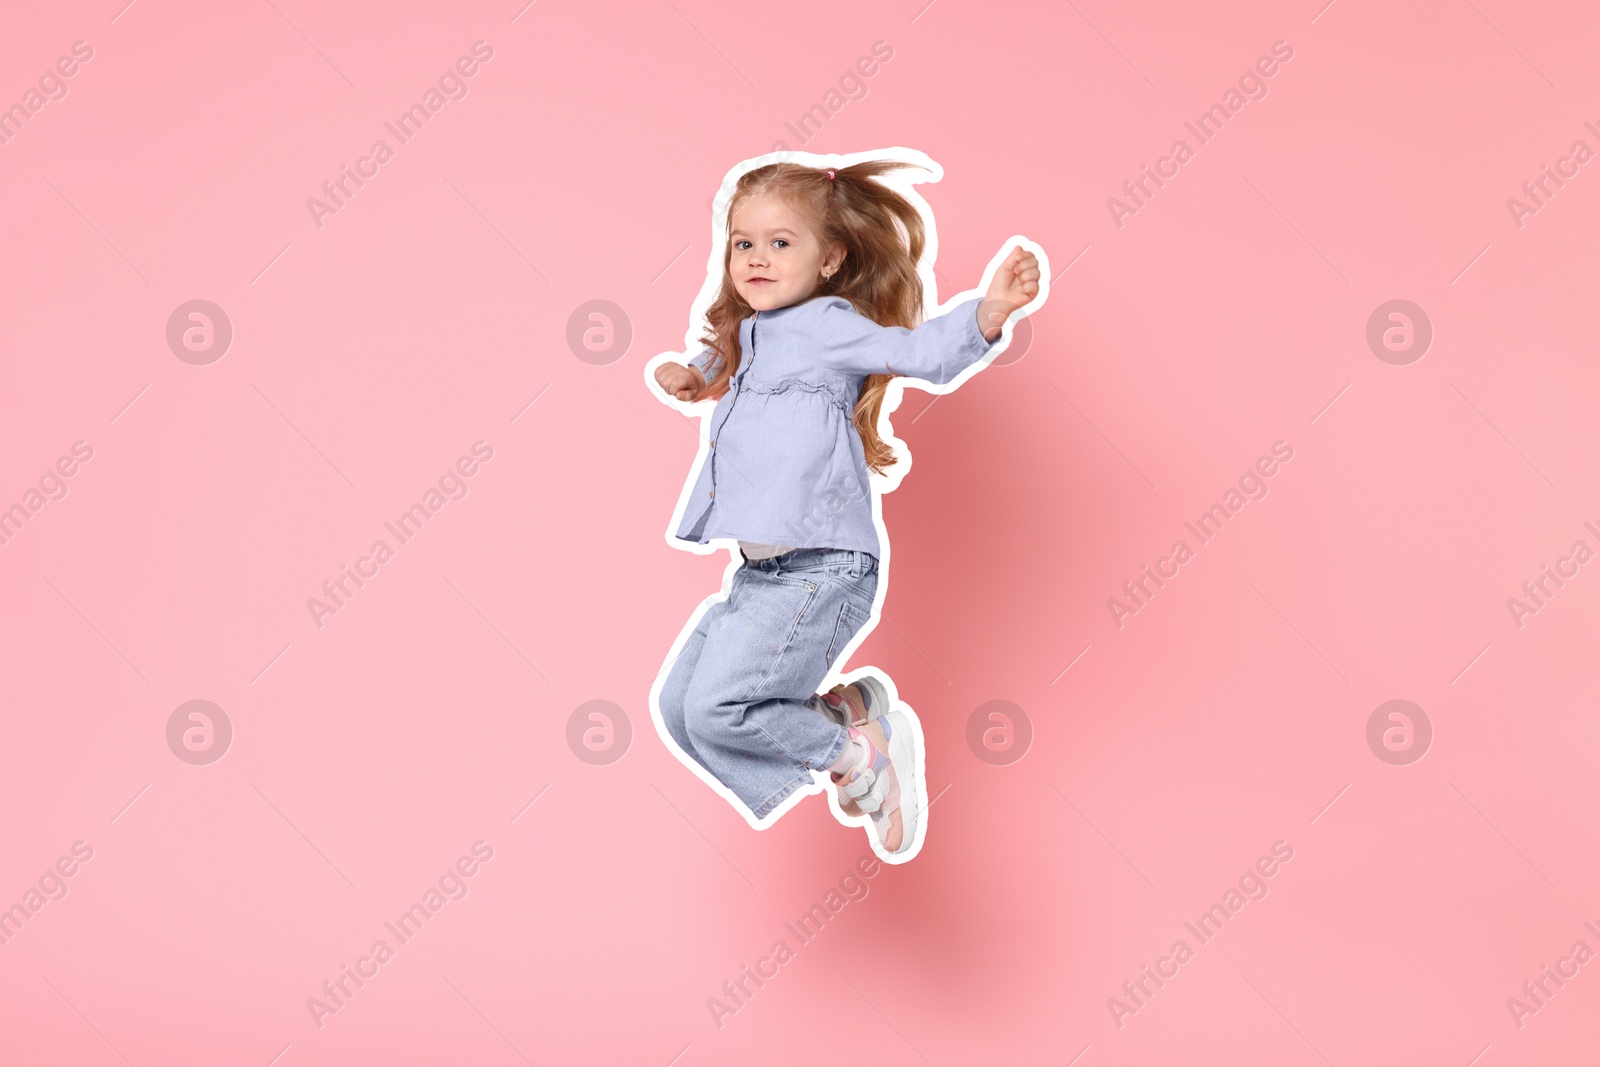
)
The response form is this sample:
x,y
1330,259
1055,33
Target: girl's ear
x,y
835,257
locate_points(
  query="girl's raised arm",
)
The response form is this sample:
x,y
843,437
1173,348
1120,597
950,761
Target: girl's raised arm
x,y
935,351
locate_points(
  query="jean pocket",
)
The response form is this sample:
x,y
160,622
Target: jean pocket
x,y
850,621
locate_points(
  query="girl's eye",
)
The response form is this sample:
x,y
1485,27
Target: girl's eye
x,y
781,241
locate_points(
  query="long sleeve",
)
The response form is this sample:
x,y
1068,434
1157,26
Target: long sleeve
x,y
702,362
936,351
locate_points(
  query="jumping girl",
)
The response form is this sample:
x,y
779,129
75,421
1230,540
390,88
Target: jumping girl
x,y
820,305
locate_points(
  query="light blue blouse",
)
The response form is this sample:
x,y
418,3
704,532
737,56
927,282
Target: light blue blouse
x,y
785,464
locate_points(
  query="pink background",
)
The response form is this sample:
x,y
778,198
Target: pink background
x,y
368,354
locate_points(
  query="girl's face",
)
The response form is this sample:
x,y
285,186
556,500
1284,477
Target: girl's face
x,y
774,257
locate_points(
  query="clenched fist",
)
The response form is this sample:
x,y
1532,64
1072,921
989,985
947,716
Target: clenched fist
x,y
679,381
1015,283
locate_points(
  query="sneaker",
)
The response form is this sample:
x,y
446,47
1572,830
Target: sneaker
x,y
889,781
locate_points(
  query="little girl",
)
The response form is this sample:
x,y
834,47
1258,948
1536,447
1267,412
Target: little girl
x,y
819,306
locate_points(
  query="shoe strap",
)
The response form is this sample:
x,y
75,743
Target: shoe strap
x,y
869,782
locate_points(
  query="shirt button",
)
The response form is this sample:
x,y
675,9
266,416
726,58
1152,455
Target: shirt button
x,y
713,442
712,493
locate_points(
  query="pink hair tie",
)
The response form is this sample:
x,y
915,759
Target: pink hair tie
x,y
830,174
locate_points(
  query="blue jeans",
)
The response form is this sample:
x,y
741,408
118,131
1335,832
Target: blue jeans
x,y
741,697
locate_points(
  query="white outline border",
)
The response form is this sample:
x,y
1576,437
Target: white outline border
x,y
904,183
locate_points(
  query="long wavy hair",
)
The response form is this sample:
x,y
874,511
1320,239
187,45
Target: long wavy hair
x,y
884,239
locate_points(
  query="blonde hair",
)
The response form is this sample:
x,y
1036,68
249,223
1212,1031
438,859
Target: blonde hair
x,y
884,238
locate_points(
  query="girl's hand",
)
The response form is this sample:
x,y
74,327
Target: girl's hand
x,y
679,381
1015,283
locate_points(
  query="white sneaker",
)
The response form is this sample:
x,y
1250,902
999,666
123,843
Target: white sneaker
x,y
885,782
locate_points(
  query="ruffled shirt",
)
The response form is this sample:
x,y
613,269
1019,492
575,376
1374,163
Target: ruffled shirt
x,y
784,463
